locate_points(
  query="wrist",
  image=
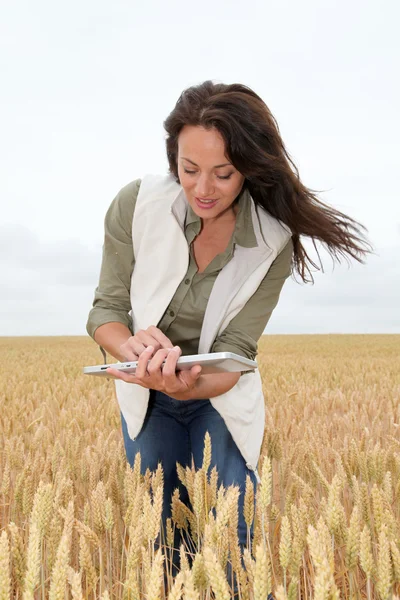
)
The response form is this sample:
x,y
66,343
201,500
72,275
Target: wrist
x,y
111,336
188,394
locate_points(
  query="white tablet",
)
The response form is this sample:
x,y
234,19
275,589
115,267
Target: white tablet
x,y
215,362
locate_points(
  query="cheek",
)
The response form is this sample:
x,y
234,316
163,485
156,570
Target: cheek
x,y
233,188
186,182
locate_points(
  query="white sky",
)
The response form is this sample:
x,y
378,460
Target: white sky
x,y
86,87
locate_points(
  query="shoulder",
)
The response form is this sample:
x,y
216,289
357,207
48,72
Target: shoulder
x,y
128,194
124,201
287,250
282,264
276,233
120,212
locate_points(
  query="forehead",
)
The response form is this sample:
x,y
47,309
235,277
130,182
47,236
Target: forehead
x,y
198,141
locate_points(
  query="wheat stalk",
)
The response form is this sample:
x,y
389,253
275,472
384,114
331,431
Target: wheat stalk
x,y
42,507
189,590
59,573
215,575
74,579
66,445
176,590
353,539
366,558
377,508
280,593
199,572
32,562
5,580
384,567
324,584
18,556
285,547
156,511
395,555
86,563
154,584
262,574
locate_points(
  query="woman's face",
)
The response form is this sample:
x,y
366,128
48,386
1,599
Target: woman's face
x,y
205,172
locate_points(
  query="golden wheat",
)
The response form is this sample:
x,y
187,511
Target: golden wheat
x,y
5,581
384,567
77,521
216,575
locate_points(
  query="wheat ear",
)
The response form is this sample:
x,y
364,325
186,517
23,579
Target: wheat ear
x,y
75,581
384,567
5,580
262,574
215,575
32,562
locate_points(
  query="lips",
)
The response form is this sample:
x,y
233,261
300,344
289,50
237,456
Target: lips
x,y
203,205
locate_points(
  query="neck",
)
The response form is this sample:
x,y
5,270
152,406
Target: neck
x,y
225,218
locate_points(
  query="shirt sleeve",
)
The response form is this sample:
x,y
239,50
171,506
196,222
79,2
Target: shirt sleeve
x,y
244,330
112,296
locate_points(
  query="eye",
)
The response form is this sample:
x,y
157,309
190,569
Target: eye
x,y
225,177
189,172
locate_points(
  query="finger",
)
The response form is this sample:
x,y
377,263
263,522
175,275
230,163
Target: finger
x,y
141,369
157,361
121,375
169,369
190,377
186,380
155,377
128,353
145,339
160,337
131,349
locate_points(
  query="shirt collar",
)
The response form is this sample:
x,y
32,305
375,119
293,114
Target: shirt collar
x,y
244,231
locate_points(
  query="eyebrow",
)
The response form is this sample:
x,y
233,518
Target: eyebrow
x,y
216,166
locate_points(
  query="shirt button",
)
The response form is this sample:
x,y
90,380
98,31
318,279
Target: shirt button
x,y
172,314
187,281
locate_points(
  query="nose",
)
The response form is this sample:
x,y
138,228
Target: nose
x,y
204,187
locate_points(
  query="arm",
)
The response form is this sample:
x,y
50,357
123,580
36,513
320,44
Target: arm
x,y
109,323
209,386
243,332
111,336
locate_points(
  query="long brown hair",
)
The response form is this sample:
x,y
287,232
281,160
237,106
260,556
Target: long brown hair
x,y
255,148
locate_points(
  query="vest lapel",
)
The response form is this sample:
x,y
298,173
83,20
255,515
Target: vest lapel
x,y
172,263
232,277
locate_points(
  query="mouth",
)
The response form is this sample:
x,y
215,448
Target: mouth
x,y
206,204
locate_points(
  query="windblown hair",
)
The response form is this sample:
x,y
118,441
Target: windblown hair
x,y
255,148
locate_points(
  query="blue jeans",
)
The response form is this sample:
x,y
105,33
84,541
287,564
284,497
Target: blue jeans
x,y
173,431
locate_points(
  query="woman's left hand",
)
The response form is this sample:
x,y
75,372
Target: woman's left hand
x,y
165,379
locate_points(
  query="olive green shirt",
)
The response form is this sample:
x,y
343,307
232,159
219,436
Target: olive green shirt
x,y
182,321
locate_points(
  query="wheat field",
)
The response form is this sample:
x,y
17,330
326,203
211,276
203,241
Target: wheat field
x,y
77,522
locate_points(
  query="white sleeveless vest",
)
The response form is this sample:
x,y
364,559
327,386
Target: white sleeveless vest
x,y
161,262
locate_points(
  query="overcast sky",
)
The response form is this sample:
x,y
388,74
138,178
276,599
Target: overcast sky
x,y
85,89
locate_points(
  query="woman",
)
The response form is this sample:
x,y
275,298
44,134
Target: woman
x,y
194,262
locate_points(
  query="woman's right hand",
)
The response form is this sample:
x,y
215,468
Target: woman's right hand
x,y
136,344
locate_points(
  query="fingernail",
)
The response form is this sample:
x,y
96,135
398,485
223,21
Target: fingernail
x,y
150,348
176,348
